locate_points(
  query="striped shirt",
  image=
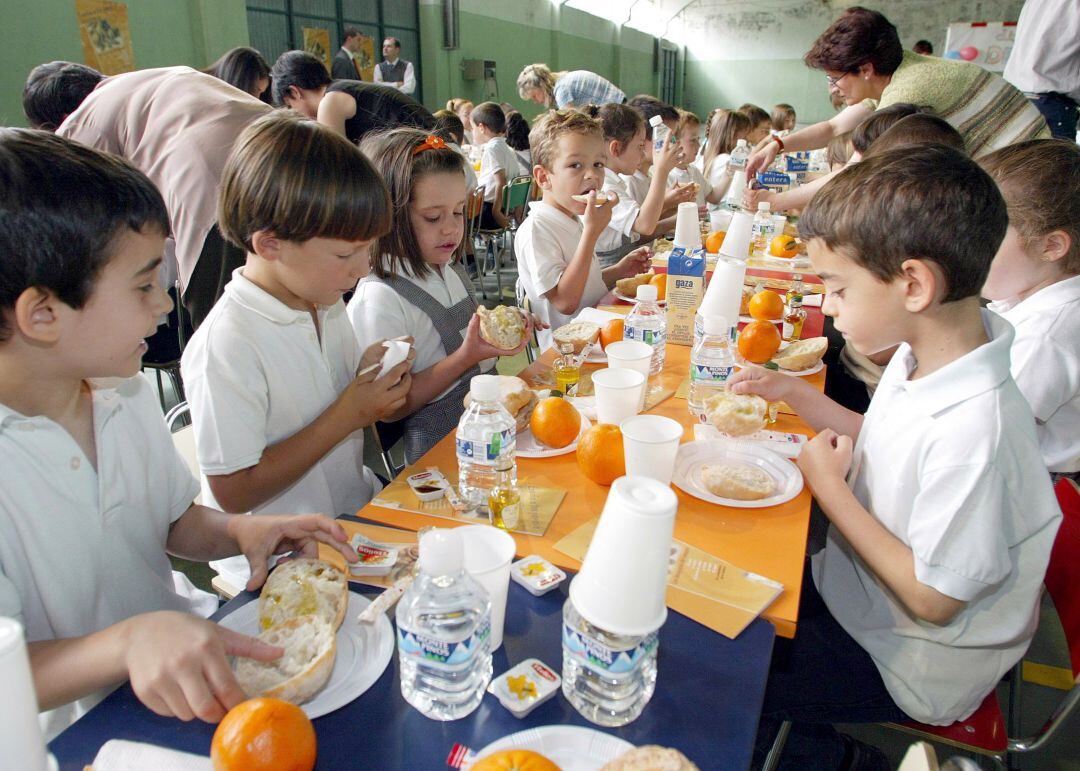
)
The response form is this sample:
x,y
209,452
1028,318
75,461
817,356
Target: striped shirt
x,y
581,87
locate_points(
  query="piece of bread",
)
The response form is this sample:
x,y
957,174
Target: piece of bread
x,y
304,587
601,197
802,354
650,757
578,333
738,481
744,302
310,648
628,286
516,396
502,326
736,414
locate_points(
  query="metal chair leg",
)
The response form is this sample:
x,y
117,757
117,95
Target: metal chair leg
x,y
772,760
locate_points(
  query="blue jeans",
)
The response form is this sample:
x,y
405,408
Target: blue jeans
x,y
821,677
1061,113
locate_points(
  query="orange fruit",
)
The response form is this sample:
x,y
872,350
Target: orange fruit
x,y
264,735
600,453
555,422
715,241
784,246
660,282
514,760
759,341
611,332
766,306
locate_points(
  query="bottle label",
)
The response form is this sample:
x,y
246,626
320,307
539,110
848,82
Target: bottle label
x,y
704,373
602,659
435,652
654,337
486,452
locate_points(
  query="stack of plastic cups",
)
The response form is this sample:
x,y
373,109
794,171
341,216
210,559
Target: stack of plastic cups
x,y
734,196
737,241
20,732
723,295
687,227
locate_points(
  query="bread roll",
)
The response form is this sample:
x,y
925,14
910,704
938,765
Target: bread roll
x,y
802,354
502,326
304,587
578,333
601,197
744,302
738,481
310,648
516,397
628,286
650,758
736,414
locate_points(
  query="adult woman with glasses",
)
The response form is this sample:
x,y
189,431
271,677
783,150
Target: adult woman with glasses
x,y
866,65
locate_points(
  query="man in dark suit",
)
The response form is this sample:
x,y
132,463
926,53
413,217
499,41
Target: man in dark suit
x,y
345,65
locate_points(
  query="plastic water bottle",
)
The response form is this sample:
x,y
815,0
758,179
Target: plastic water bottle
x,y
647,323
660,133
712,362
486,441
763,229
739,155
609,678
444,632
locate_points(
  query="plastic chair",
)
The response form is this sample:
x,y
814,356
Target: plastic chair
x,y
386,435
532,350
514,198
165,347
473,206
984,732
184,438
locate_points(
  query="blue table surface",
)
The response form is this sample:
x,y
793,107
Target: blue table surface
x,y
707,701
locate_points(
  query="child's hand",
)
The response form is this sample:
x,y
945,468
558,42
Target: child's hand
x,y
667,157
374,353
475,348
753,196
596,218
634,262
177,665
261,537
825,457
769,385
367,398
677,195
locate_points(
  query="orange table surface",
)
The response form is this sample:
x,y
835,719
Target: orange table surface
x,y
770,542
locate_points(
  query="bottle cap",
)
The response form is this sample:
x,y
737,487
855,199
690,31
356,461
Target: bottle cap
x,y
647,292
566,347
740,143
441,552
484,388
656,120
715,325
764,206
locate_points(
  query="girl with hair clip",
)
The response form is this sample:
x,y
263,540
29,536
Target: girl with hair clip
x,y
725,131
624,140
418,287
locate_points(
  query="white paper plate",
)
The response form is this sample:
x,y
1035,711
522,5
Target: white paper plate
x,y
363,653
528,447
571,748
693,455
740,362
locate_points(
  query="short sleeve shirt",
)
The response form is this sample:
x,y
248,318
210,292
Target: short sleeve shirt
x,y
623,216
581,87
497,156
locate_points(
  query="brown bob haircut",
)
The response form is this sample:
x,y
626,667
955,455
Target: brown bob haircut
x,y
727,127
919,129
880,121
925,203
858,37
394,154
757,115
621,122
1040,180
298,180
555,124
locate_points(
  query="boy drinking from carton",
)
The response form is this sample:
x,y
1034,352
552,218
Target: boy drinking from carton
x,y
941,512
556,245
278,388
94,496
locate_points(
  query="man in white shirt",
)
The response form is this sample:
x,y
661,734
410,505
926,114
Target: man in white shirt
x,y
393,71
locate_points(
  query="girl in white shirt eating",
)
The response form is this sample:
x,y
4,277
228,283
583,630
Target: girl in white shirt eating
x,y
725,131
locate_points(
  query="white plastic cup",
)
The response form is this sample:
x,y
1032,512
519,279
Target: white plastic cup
x,y
779,223
488,554
737,241
20,732
723,295
719,219
734,195
619,394
631,354
623,578
650,444
687,228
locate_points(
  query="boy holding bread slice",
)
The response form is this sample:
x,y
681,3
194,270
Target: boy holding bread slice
x,y
556,245
941,512
94,496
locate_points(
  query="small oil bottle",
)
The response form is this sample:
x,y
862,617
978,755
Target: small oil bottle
x,y
794,312
505,498
567,369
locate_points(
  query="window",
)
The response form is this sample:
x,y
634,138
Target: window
x,y
669,63
276,26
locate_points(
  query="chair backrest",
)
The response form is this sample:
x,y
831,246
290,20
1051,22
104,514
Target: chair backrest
x,y
184,439
516,194
474,204
1063,574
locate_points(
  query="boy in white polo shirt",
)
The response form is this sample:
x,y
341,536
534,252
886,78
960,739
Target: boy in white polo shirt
x,y
276,402
498,162
93,496
556,245
941,512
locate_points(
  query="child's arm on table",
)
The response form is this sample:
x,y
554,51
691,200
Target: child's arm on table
x,y
566,295
817,409
824,462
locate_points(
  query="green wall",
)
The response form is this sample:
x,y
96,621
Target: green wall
x,y
763,82
163,33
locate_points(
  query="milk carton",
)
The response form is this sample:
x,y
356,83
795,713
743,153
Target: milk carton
x,y
686,276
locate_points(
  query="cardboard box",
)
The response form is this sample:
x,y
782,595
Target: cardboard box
x,y
685,288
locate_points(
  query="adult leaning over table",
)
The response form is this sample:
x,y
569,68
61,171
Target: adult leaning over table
x,y
577,88
864,62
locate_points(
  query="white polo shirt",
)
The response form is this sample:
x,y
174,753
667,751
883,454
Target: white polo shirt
x,y
691,174
950,465
623,216
496,156
83,549
638,184
256,372
1046,366
377,312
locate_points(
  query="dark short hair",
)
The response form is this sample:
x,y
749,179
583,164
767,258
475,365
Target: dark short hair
x,y
242,67
299,69
880,121
757,115
393,152
397,43
859,36
350,31
449,126
620,121
491,115
919,129
517,131
924,47
298,180
62,206
54,90
927,203
649,106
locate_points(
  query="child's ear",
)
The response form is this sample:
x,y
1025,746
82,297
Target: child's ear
x,y
35,315
1056,244
266,245
542,177
614,149
923,284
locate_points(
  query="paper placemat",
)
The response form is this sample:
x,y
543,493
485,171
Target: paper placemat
x,y
405,541
683,392
656,393
704,587
535,510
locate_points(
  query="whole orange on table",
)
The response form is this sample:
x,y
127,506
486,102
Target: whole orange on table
x,y
715,241
264,735
766,306
600,453
660,282
514,760
784,246
555,422
611,332
759,341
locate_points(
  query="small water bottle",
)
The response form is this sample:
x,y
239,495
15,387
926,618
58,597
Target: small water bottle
x,y
444,632
648,323
660,133
739,155
486,441
763,229
712,362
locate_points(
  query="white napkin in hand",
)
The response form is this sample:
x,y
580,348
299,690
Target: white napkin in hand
x,y
396,352
121,755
